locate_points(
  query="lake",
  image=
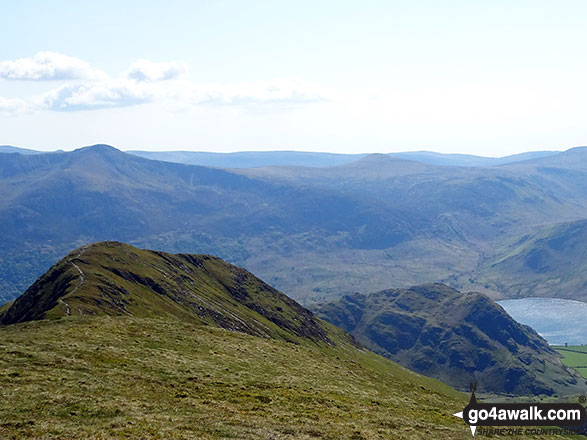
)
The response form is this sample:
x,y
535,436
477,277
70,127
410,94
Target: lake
x,y
556,320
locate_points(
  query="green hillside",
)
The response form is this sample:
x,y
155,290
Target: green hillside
x,y
152,378
455,337
126,377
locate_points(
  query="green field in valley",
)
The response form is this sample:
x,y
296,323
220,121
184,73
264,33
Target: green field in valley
x,y
575,356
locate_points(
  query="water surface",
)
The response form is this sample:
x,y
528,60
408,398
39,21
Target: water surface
x,y
556,320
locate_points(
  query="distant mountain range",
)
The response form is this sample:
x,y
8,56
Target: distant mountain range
x,y
313,232
459,338
250,159
253,159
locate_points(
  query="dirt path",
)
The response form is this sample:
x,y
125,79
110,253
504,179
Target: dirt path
x,y
82,278
67,308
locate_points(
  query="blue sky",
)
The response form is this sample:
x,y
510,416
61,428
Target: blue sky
x,y
491,78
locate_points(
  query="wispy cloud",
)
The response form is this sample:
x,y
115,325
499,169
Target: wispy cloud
x,y
285,90
145,70
13,105
144,81
49,66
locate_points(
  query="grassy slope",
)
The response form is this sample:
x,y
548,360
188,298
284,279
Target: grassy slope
x,y
574,356
118,377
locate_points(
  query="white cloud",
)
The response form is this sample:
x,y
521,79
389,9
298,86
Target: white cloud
x,y
144,81
94,96
97,95
145,70
49,66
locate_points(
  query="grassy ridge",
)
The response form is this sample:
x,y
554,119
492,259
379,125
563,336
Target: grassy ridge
x,y
574,356
126,377
111,278
109,377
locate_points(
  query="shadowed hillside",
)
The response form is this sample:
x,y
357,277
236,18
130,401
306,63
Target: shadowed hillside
x,y
550,262
456,337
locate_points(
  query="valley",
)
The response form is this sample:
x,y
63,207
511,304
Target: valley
x,y
314,232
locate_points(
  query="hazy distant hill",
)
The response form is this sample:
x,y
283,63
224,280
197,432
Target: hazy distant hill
x,y
253,159
11,149
455,337
573,158
468,160
250,159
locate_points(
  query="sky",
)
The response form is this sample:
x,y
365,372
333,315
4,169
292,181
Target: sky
x,y
480,77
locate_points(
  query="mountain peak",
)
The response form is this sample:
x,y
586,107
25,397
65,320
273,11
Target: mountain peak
x,y
98,148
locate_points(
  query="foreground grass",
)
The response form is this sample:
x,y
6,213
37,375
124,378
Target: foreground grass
x,y
574,356
124,377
